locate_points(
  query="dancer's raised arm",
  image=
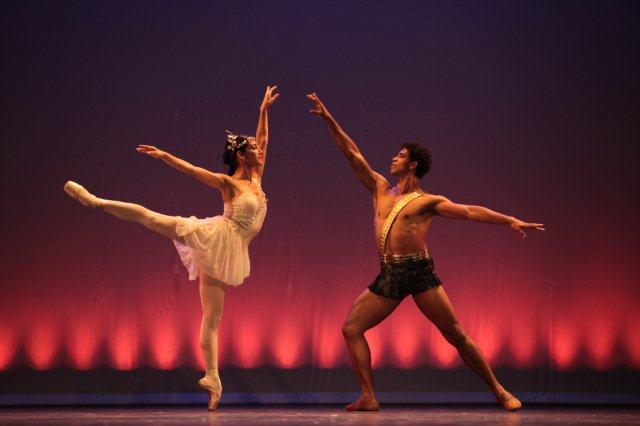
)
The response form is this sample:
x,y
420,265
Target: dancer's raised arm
x,y
262,132
215,180
369,178
446,208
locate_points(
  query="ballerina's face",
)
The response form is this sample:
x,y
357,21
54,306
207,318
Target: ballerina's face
x,y
253,155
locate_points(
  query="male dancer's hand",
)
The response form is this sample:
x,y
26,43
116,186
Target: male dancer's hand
x,y
520,226
151,151
269,97
319,108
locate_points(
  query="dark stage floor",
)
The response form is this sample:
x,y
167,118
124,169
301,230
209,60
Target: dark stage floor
x,y
325,415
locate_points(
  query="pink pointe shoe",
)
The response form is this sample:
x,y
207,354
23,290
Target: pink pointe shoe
x,y
80,194
215,392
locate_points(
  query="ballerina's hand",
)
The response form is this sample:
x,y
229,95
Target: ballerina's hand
x,y
269,97
319,108
150,150
520,226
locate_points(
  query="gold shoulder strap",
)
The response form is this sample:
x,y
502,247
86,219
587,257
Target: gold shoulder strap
x,y
392,217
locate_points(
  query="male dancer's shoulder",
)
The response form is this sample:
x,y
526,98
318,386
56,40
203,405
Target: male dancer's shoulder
x,y
428,201
382,184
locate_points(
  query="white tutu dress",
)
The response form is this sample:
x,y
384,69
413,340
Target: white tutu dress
x,y
219,246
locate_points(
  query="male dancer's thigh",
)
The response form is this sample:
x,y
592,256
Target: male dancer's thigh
x,y
435,305
369,310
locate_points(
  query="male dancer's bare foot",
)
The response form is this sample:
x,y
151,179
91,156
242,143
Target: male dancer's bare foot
x,y
364,404
214,389
508,401
79,193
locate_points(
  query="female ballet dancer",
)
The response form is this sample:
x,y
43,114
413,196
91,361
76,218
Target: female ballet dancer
x,y
214,248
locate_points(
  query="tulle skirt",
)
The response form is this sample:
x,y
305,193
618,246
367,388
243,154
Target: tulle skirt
x,y
214,246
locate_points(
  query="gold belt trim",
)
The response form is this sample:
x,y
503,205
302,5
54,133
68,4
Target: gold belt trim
x,y
400,258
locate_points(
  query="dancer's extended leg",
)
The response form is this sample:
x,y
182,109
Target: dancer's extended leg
x,y
367,311
435,305
160,223
212,299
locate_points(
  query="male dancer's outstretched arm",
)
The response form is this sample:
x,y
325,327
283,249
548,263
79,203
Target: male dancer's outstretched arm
x,y
446,208
369,178
219,181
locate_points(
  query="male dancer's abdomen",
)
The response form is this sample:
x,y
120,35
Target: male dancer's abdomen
x,y
405,239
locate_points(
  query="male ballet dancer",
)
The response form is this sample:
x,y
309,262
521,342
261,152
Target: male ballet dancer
x,y
402,217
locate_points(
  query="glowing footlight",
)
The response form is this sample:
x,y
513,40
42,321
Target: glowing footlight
x,y
600,343
287,346
165,345
564,346
326,343
7,347
523,349
124,344
43,344
524,340
408,344
248,345
489,341
83,345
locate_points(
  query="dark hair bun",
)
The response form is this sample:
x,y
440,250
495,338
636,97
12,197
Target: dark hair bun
x,y
238,144
228,157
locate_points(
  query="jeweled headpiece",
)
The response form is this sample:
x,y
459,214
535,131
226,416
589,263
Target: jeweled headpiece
x,y
233,144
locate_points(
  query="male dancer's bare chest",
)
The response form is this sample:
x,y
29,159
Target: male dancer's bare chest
x,y
410,224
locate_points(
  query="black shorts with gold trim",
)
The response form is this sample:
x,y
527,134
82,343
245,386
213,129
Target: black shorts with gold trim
x,y
401,277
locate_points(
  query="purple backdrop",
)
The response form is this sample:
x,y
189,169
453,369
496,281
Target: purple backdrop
x,y
529,108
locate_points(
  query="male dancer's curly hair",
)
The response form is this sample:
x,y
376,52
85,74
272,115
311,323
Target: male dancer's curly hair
x,y
421,155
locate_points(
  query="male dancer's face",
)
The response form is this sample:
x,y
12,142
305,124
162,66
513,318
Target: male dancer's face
x,y
401,165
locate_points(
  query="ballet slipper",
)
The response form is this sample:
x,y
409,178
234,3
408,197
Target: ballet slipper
x,y
74,191
215,392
